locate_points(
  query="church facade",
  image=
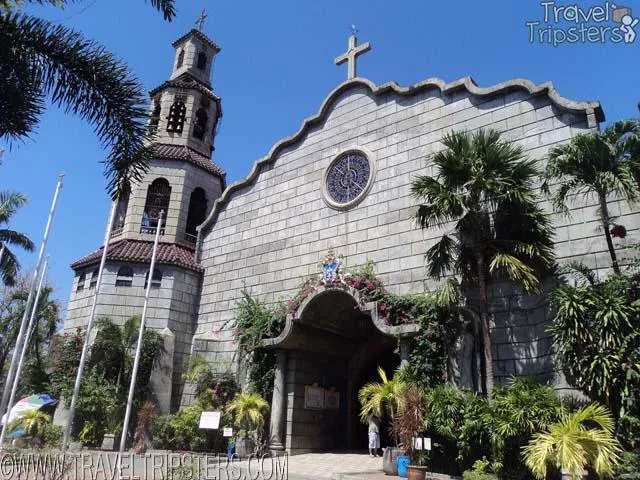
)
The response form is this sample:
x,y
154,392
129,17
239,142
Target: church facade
x,y
341,183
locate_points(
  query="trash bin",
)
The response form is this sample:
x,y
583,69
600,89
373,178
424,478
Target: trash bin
x,y
402,461
231,449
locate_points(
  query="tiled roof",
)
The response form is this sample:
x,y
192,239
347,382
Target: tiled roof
x,y
201,36
187,81
182,152
140,251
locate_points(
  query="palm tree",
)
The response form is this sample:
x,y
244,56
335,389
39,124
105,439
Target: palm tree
x,y
603,164
579,440
483,193
388,396
248,411
33,422
10,202
41,60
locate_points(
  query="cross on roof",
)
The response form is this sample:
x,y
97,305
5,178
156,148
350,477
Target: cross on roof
x,y
200,21
352,54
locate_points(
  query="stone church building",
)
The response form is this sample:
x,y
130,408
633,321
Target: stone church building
x,y
340,183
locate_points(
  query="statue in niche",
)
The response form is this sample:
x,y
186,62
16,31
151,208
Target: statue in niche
x,y
461,364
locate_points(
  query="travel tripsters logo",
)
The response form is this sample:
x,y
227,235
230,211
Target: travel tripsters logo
x,y
568,24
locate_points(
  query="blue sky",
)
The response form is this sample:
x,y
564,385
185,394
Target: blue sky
x,y
275,69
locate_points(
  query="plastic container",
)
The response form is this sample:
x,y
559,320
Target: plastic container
x,y
402,461
231,449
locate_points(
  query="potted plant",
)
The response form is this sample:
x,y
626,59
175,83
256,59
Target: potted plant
x,y
409,424
33,424
247,411
377,398
579,440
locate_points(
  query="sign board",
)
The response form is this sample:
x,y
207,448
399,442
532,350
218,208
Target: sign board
x,y
210,420
227,432
313,397
422,443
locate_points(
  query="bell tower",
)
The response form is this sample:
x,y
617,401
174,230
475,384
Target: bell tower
x,y
185,110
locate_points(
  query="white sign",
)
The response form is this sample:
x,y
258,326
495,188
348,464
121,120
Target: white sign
x,y
227,432
210,420
422,443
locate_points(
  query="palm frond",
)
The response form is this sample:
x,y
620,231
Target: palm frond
x,y
523,275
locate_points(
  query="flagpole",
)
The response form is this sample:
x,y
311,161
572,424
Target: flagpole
x,y
25,345
23,325
87,339
136,362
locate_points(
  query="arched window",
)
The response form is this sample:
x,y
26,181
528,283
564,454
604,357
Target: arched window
x,y
197,213
157,279
180,59
202,61
158,197
94,279
81,281
176,117
200,128
124,277
155,115
120,215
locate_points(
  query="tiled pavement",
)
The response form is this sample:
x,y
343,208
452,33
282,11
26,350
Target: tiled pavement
x,y
336,466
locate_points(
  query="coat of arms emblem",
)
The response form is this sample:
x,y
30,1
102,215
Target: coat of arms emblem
x,y
330,268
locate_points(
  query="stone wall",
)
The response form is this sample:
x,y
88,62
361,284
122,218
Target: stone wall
x,y
270,233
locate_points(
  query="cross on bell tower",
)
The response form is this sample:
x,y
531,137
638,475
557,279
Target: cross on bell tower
x,y
352,54
200,21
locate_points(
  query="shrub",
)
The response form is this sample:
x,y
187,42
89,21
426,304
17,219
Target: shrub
x,y
162,433
629,467
52,435
481,470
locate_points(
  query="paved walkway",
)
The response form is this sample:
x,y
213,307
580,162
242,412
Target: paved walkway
x,y
336,466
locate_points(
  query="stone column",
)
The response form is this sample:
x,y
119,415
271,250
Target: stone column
x,y
278,403
405,350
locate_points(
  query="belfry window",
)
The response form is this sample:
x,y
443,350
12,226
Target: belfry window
x,y
197,213
94,279
155,115
202,61
176,117
158,197
124,278
156,282
81,281
120,215
200,128
180,59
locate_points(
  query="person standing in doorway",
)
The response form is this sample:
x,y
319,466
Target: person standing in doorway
x,y
374,435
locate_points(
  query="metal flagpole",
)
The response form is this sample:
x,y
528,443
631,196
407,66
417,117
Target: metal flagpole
x,y
25,345
134,373
23,325
87,339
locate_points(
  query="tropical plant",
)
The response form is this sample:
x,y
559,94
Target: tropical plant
x,y
595,334
603,164
40,59
248,411
481,470
196,365
484,194
10,203
33,422
35,377
386,396
147,415
409,422
580,440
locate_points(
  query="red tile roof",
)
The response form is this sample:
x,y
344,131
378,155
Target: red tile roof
x,y
140,251
182,152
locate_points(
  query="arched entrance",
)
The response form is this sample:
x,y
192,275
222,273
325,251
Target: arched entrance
x,y
325,353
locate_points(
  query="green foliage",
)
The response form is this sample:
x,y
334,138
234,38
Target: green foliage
x,y
52,435
595,333
33,422
41,59
604,164
10,202
481,470
629,466
65,357
484,194
248,411
98,405
182,431
253,322
386,396
162,433
580,440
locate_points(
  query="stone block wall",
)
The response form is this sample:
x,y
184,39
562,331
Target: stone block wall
x,y
271,233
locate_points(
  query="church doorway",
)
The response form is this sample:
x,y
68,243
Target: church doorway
x,y
326,353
